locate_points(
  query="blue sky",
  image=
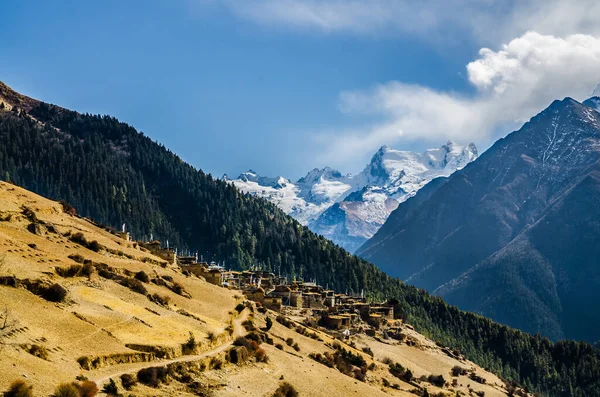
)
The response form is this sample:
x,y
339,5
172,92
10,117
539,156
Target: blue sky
x,y
284,86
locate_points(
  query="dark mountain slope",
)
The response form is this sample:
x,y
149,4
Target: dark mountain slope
x,y
115,174
487,205
548,277
109,171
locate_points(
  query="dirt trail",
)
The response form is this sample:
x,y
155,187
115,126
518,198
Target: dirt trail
x,y
101,378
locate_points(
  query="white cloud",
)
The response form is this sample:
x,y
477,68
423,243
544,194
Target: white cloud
x,y
511,82
512,85
485,21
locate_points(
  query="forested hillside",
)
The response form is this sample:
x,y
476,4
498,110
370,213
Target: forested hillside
x,y
114,174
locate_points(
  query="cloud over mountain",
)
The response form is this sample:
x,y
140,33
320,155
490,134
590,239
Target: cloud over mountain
x,y
510,84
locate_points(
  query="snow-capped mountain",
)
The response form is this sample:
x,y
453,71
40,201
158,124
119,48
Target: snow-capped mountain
x,y
594,102
305,199
350,209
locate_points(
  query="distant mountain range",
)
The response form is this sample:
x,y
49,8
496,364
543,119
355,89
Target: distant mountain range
x,y
349,209
515,235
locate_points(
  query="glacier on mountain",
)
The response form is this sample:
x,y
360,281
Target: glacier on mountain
x,y
349,209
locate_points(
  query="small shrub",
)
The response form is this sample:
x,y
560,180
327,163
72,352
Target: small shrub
x,y
296,347
240,307
216,363
387,360
134,285
159,300
111,388
142,276
255,337
189,347
178,289
78,238
261,355
284,321
401,373
19,389
368,351
39,351
269,324
249,325
66,390
285,390
279,346
211,336
55,293
30,214
289,341
128,381
105,271
94,246
152,376
71,271
458,370
77,258
360,374
238,355
437,380
84,362
477,378
88,269
242,341
68,208
87,388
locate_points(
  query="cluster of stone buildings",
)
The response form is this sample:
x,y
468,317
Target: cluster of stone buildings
x,y
334,310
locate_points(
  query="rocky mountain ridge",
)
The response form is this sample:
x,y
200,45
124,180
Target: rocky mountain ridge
x,y
349,209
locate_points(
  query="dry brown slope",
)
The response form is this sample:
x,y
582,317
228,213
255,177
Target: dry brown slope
x,y
100,318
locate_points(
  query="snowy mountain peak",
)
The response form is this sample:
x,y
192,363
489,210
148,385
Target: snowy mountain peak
x,y
248,175
252,176
389,166
594,102
350,209
316,175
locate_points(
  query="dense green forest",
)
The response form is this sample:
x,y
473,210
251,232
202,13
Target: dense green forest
x,y
112,173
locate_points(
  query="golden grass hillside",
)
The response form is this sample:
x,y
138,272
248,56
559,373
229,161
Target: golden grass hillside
x,y
99,317
78,302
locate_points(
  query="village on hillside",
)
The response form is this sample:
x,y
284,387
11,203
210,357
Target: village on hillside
x,y
343,312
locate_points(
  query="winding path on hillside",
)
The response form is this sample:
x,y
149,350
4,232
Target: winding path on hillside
x,y
101,376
